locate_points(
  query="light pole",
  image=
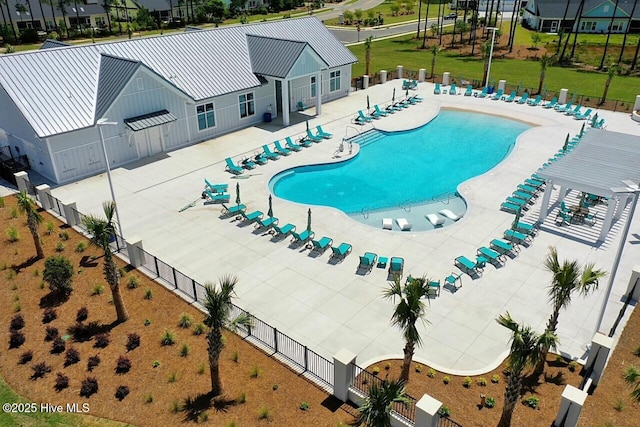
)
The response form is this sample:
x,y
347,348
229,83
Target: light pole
x,y
631,187
99,124
493,39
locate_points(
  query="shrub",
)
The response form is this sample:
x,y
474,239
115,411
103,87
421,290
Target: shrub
x,y
148,398
133,341
184,350
173,377
619,405
418,368
467,382
155,363
64,235
89,386
123,365
82,331
50,227
387,366
168,338
81,246
495,379
275,387
482,382
17,322
636,351
25,357
16,339
242,398
198,329
235,356
93,362
148,294
490,402
40,370
304,406
133,282
49,315
17,307
97,289
176,407
59,247
58,346
255,372
264,413
532,402
203,417
1,202
14,213
444,411
122,392
102,340
82,314
446,379
58,273
201,369
71,357
431,373
62,381
50,333
573,365
376,370
185,320
12,234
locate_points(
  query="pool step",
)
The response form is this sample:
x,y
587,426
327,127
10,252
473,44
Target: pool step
x,y
368,137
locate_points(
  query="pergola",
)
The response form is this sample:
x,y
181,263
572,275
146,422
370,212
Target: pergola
x,y
598,165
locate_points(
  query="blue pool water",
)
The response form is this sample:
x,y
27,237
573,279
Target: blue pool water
x,y
405,167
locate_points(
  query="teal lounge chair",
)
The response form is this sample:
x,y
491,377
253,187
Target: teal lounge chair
x,y
260,159
341,251
248,164
565,108
304,142
523,99
516,237
367,261
396,266
216,188
391,108
270,154
493,256
379,112
534,182
453,90
233,168
551,104
234,209
498,95
522,203
362,118
303,237
470,267
599,124
417,98
280,149
469,90
436,90
484,92
322,133
511,97
527,189
322,244
527,197
311,137
503,247
292,145
573,112
583,116
285,230
510,207
534,102
217,197
252,217
525,228
267,223
453,278
301,106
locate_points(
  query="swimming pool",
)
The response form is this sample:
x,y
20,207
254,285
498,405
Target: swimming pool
x,y
405,168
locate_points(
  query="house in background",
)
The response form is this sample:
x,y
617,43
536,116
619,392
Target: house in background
x,y
163,92
595,17
30,15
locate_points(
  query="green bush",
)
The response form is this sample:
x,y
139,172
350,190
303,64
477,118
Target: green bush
x,y
59,247
199,329
12,234
81,246
133,282
490,402
444,411
495,379
185,320
148,294
446,379
184,350
168,338
532,402
58,273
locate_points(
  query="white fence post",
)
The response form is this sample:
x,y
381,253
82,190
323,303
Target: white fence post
x,y
134,247
44,196
600,348
343,362
22,181
570,407
427,411
502,84
445,78
400,70
421,74
365,82
562,98
383,76
634,281
69,211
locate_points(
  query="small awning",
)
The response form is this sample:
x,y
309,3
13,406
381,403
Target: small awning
x,y
150,120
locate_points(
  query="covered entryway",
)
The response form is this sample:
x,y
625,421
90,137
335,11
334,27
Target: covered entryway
x,y
604,164
148,131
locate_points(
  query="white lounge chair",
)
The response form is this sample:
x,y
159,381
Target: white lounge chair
x,y
387,223
435,220
449,214
403,224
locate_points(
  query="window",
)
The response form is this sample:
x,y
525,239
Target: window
x,y
100,22
334,81
247,105
588,26
617,26
313,87
140,83
206,118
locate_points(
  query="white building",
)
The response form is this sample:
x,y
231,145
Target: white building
x,y
164,92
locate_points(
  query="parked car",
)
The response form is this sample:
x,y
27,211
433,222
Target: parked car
x,y
451,16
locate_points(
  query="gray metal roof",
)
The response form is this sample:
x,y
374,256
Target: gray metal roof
x,y
157,5
202,64
600,162
273,57
145,121
555,8
51,44
114,74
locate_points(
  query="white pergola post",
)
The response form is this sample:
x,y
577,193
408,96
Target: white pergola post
x,y
601,346
563,193
570,407
544,208
606,222
318,93
285,102
622,203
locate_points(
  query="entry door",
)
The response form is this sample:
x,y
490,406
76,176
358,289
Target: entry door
x,y
554,26
141,143
155,141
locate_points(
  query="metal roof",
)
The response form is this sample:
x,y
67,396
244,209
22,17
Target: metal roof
x,y
549,9
273,57
113,75
599,163
154,5
202,64
145,121
51,44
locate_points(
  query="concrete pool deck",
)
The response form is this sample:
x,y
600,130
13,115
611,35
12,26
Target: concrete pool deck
x,y
328,307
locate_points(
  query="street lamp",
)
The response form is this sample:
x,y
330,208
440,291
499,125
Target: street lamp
x,y
99,124
493,39
631,187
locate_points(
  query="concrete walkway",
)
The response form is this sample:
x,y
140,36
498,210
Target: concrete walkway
x,y
329,306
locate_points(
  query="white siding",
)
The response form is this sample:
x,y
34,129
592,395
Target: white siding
x,y
307,63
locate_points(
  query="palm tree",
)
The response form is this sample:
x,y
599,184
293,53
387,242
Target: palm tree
x,y
53,15
525,351
22,10
103,231
218,305
435,50
632,377
626,33
611,72
409,310
61,6
106,5
367,53
568,278
426,17
545,60
44,21
419,15
13,28
606,44
375,411
27,207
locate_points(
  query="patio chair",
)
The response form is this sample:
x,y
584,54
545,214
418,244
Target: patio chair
x,y
436,90
470,267
280,149
551,104
482,94
391,108
493,256
573,112
267,223
453,90
564,218
528,189
260,158
216,197
322,133
396,266
590,219
535,102
362,118
341,251
284,230
433,289
517,237
216,188
469,90
233,168
512,97
565,108
367,261
303,237
523,99
311,137
301,106
503,247
234,209
498,95
247,163
583,116
379,112
322,244
292,145
252,217
453,278
270,154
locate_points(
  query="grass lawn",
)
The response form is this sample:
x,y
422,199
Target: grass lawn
x,y
388,54
385,10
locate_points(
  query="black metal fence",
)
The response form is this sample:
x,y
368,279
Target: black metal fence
x,y
448,422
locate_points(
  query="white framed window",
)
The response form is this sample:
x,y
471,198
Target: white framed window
x,y
617,26
247,105
313,86
334,81
140,83
588,26
206,116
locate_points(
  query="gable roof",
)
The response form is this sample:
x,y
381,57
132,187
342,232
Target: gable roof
x,y
59,90
274,57
51,43
555,9
113,75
